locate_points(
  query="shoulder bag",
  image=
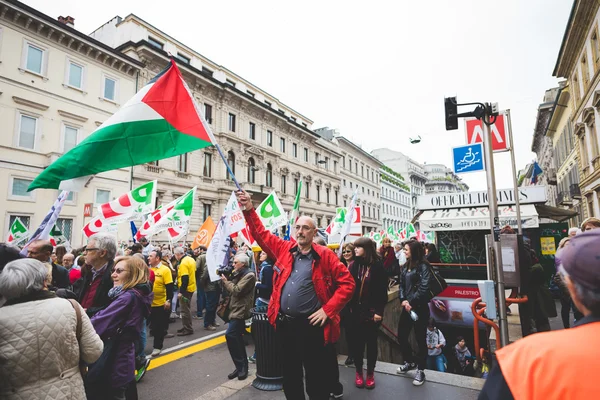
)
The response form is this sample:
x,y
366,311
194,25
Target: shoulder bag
x,y
437,284
223,309
78,329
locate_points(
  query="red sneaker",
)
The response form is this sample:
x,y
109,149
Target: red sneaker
x,y
370,380
360,380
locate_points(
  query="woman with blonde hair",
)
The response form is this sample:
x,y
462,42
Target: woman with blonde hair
x,y
119,325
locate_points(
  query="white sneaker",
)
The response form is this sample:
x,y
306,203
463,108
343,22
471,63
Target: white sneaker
x,y
156,352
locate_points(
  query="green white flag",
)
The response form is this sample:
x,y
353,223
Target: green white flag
x,y
410,231
174,218
271,212
392,234
18,232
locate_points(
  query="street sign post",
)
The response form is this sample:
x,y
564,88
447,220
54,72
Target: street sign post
x,y
474,131
468,158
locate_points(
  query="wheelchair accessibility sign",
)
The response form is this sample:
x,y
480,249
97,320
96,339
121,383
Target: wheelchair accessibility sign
x,y
468,158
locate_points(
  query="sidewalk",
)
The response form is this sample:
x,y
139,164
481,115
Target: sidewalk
x,y
389,385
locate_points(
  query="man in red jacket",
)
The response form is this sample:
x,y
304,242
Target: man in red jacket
x,y
310,288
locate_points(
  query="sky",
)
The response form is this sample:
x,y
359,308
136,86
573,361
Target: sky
x,y
378,71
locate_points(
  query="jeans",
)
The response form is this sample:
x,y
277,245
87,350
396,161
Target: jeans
x,y
159,324
305,355
186,314
235,343
200,301
212,299
436,363
365,335
404,327
174,301
141,344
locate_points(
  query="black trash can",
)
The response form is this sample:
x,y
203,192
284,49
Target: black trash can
x,y
269,353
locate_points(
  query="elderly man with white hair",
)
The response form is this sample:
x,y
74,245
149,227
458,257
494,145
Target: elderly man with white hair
x,y
241,291
37,333
186,281
100,254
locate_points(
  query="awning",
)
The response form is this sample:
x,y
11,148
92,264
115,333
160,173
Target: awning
x,y
555,213
477,218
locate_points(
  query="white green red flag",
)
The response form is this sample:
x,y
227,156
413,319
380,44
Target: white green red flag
x,y
131,205
348,219
161,121
410,231
98,225
18,232
296,209
271,212
430,237
57,238
174,218
392,234
234,215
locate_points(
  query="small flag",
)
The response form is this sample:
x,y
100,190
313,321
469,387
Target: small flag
x,y
174,218
43,231
537,171
348,219
18,232
133,230
204,234
97,225
218,249
271,212
131,205
410,231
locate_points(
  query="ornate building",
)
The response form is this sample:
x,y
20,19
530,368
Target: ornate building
x,y
395,199
441,179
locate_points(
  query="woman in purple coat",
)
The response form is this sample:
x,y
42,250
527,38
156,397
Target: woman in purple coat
x,y
119,326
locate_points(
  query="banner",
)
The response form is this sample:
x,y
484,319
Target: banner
x,y
17,233
217,254
271,212
204,234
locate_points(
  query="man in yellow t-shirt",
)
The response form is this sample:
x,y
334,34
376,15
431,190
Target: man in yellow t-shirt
x,y
186,280
161,303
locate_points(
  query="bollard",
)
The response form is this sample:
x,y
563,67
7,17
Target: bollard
x,y
269,353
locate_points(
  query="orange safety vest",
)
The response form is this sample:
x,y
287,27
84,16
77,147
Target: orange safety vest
x,y
562,364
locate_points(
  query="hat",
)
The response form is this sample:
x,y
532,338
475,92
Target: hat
x,y
580,258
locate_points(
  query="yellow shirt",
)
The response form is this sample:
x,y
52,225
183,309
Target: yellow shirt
x,y
187,266
162,277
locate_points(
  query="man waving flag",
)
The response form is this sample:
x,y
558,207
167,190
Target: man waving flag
x,y
161,121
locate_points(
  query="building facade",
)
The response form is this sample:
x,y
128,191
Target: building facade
x,y
579,62
268,145
441,179
57,86
359,172
396,209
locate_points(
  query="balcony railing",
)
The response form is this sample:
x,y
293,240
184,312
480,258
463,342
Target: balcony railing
x,y
563,198
575,191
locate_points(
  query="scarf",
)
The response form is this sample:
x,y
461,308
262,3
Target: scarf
x,y
115,292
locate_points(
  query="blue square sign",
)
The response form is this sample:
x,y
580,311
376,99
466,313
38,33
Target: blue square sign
x,y
468,158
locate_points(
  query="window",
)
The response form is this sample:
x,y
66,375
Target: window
x,y
65,225
327,195
350,185
232,122
155,42
182,58
305,154
344,182
307,191
231,163
282,144
283,184
368,173
19,187
70,138
102,196
345,203
295,150
336,197
269,138
304,125
27,131
318,193
250,93
281,111
208,113
585,72
343,161
576,89
252,131
372,176
369,192
363,189
207,172
75,75
326,162
595,50
182,162
207,71
251,170
34,59
362,171
293,119
269,176
334,165
268,103
350,165
316,158
110,88
230,82
296,185
206,211
356,167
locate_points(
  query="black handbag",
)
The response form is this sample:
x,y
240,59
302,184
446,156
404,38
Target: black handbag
x,y
437,284
99,371
223,310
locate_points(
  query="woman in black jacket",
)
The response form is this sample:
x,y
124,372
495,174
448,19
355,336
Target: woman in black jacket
x,y
414,296
366,307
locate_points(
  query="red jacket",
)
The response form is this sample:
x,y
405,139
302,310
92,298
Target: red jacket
x,y
332,281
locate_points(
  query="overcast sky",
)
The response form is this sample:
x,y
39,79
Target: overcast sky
x,y
378,70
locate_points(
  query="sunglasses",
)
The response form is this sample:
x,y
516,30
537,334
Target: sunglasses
x,y
346,251
119,271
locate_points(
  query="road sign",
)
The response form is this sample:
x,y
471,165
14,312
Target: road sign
x,y
87,209
475,133
468,158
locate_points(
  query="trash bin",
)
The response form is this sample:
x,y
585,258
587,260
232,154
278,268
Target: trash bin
x,y
269,353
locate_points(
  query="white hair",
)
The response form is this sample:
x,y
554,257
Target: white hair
x,y
574,229
106,242
590,298
22,277
243,258
179,250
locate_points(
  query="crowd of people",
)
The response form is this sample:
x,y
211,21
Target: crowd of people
x,y
83,315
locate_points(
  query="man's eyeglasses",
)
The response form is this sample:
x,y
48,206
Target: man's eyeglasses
x,y
91,249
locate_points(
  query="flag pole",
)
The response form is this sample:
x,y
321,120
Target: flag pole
x,y
514,173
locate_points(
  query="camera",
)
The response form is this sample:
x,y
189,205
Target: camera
x,y
226,271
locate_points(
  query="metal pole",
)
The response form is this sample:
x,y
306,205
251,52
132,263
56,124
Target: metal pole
x,y
514,173
495,228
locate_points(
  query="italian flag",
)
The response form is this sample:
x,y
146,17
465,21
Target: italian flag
x,y
18,232
161,121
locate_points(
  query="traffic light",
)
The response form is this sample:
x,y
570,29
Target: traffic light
x,y
451,111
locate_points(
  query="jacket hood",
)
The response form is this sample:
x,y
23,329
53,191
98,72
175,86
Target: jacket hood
x,y
145,294
461,350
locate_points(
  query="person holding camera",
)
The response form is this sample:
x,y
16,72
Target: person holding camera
x,y
240,286
414,295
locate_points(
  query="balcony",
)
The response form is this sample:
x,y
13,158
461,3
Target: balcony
x,y
564,199
575,191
